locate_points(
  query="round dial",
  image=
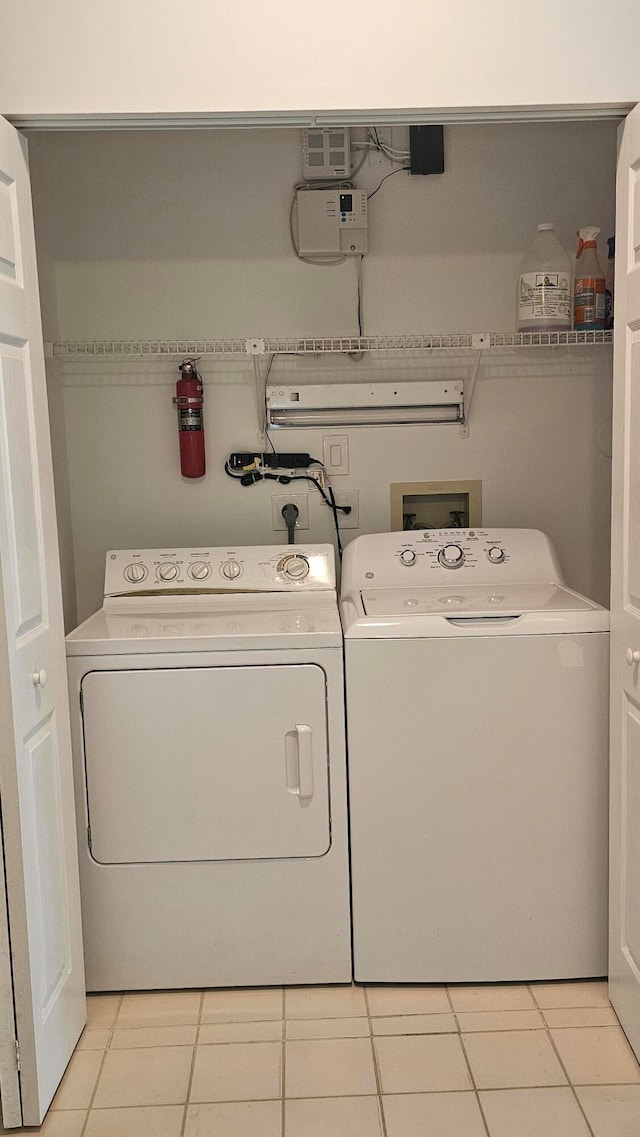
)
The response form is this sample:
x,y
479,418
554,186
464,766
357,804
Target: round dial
x,y
168,571
295,567
408,557
451,556
199,570
496,555
231,570
135,573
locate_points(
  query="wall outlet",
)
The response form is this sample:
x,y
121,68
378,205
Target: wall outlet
x,y
349,520
335,453
279,500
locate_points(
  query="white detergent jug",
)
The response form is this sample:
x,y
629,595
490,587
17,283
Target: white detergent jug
x,y
544,285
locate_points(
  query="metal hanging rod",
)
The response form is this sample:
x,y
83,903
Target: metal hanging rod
x,y
151,349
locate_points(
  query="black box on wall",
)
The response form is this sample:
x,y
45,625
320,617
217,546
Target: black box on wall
x,y
426,147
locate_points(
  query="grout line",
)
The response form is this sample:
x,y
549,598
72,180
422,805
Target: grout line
x,y
193,1065
376,1069
114,1022
466,1058
566,1073
101,1067
345,1097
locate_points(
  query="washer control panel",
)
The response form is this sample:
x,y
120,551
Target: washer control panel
x,y
452,549
480,556
255,568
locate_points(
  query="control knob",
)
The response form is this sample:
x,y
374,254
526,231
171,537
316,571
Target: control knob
x,y
451,556
231,570
408,557
295,567
496,555
135,573
199,570
168,571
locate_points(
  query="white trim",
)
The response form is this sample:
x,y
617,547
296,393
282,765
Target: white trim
x,y
200,120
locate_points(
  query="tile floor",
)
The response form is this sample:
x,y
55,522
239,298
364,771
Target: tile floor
x,y
545,1060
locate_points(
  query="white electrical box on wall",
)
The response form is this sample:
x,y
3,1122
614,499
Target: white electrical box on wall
x,y
326,154
332,222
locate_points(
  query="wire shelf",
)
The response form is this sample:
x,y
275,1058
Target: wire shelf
x,y
152,349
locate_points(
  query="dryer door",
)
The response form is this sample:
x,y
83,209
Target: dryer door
x,y
210,763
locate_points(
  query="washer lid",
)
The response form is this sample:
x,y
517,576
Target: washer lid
x,y
475,600
471,610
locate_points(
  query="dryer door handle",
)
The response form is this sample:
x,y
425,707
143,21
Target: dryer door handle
x,y
300,778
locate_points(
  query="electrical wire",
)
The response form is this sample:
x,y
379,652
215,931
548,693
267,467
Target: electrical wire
x,y
399,171
334,509
252,474
388,149
390,152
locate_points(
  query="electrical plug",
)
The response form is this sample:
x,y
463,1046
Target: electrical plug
x,y
290,513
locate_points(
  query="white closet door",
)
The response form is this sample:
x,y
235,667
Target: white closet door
x,y
624,948
35,764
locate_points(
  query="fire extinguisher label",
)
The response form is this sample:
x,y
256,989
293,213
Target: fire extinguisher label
x,y
190,418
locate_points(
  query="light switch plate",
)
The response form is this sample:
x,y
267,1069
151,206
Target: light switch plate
x,y
335,453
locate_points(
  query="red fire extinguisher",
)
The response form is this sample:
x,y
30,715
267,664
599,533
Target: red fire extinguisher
x,y
188,400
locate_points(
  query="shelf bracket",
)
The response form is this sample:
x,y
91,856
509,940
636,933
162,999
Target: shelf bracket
x,y
255,347
260,392
469,388
481,340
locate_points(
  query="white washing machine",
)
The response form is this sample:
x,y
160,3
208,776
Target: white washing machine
x,y
477,726
208,729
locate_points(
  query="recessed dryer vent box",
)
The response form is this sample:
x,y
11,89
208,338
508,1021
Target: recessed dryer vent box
x,y
435,505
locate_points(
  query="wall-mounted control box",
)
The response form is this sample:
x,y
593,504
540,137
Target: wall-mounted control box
x,y
326,154
332,222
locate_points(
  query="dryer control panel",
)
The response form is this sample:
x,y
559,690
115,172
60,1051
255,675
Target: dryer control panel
x,y
254,568
431,556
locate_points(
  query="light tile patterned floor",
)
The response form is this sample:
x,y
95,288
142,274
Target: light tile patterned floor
x,y
543,1060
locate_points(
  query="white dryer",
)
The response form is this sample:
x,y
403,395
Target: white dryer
x,y
208,730
477,726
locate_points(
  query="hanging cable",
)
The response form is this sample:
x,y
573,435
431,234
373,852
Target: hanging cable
x,y
357,356
267,424
334,509
386,149
399,171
